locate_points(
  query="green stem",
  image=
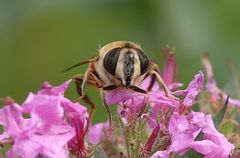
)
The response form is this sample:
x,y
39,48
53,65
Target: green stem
x,y
94,148
126,137
139,130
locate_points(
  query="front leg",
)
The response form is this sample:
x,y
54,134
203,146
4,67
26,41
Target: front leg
x,y
94,81
167,92
103,95
80,82
160,81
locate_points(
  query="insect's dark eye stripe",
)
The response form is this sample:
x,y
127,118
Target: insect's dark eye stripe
x,y
129,64
110,60
144,61
128,68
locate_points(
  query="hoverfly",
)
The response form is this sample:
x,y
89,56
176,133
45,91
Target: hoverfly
x,y
118,64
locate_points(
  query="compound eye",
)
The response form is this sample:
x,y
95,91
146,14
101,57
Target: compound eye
x,y
144,61
110,61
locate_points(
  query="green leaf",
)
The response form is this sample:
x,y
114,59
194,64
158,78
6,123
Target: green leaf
x,y
236,116
196,108
189,154
192,153
99,153
227,128
217,119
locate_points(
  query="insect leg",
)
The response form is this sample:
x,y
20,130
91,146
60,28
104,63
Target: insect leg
x,y
107,108
84,82
79,81
79,64
137,89
161,82
152,81
109,88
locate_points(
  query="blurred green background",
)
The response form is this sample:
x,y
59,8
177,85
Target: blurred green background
x,y
38,39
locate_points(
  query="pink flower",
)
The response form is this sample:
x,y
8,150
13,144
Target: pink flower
x,y
162,104
192,91
212,87
53,123
170,72
77,117
12,120
129,103
98,132
213,143
184,131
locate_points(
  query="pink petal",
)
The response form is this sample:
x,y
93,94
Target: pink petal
x,y
145,84
151,140
204,147
170,68
48,89
77,117
159,98
178,123
98,132
120,95
224,147
192,91
46,109
75,113
12,120
161,154
47,144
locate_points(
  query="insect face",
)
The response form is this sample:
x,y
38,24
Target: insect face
x,y
124,62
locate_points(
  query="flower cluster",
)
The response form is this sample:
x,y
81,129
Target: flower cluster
x,y
173,117
47,124
184,131
154,125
